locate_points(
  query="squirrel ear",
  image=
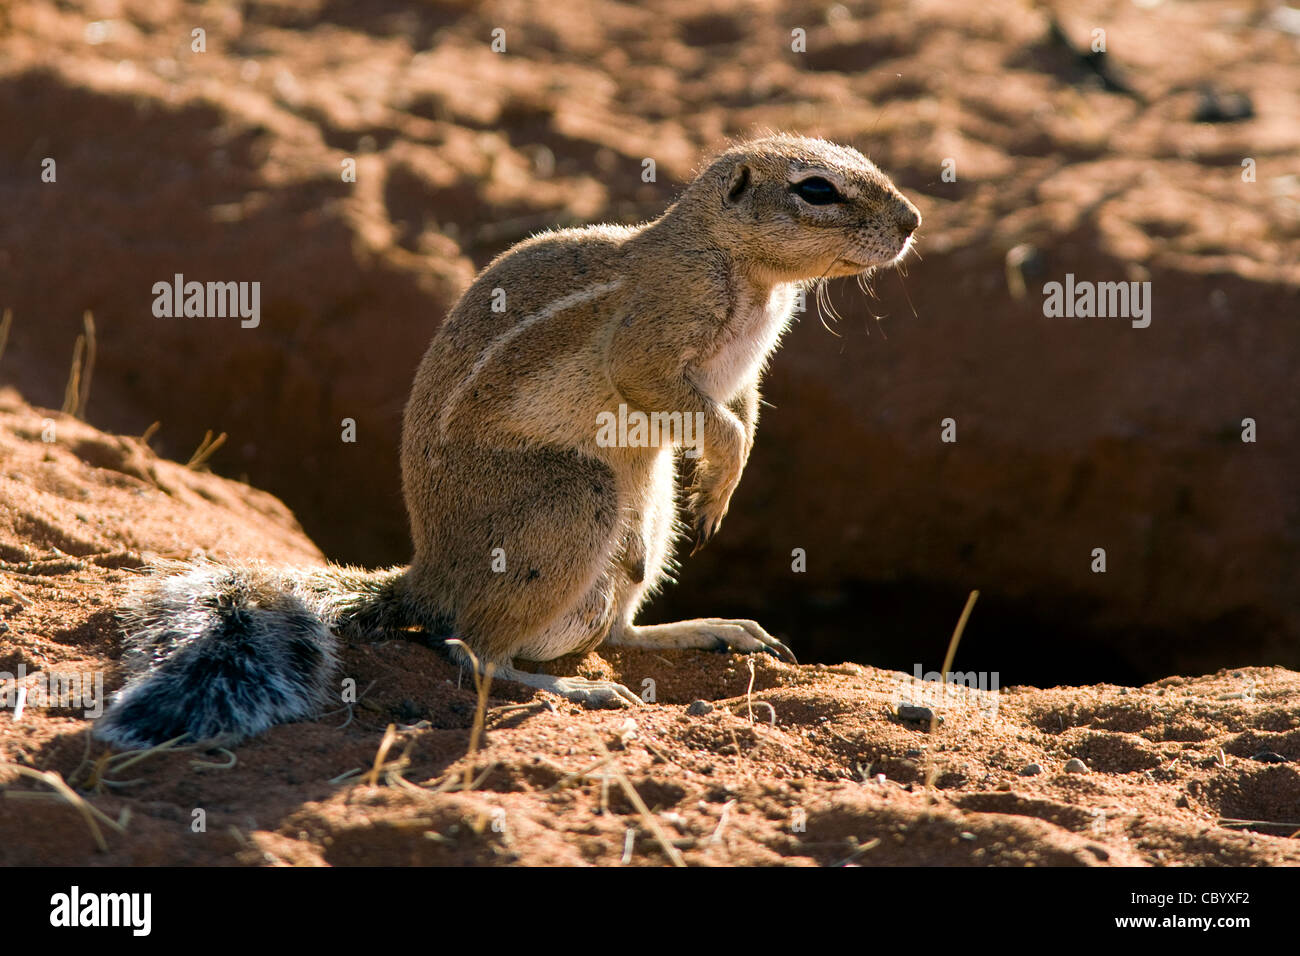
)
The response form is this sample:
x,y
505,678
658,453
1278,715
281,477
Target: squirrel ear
x,y
737,184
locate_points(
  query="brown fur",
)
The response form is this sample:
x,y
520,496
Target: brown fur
x,y
501,449
499,444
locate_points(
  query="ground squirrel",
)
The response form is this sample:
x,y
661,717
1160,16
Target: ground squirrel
x,y
533,538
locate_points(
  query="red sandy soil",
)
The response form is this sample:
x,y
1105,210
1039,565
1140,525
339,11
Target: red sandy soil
x,y
226,164
822,773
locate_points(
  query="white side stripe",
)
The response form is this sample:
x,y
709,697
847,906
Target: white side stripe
x,y
501,341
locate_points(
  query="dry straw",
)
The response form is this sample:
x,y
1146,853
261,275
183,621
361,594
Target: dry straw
x,y
76,396
933,770
5,324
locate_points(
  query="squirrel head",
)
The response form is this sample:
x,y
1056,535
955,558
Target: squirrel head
x,y
800,208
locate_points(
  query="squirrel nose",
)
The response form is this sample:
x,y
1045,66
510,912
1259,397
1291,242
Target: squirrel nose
x,y
909,218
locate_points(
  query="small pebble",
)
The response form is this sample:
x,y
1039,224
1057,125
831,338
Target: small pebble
x,y
1031,770
409,710
1268,756
699,708
913,712
1075,765
626,731
913,753
1217,106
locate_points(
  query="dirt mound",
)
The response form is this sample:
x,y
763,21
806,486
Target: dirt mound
x,y
814,765
226,164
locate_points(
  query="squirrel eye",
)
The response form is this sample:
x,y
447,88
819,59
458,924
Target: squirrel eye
x,y
817,191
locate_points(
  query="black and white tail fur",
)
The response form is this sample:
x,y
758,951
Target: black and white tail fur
x,y
220,653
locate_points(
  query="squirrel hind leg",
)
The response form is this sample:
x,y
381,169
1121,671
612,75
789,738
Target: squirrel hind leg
x,y
576,631
580,690
236,659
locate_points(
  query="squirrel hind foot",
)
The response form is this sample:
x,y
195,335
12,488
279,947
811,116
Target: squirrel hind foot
x,y
580,690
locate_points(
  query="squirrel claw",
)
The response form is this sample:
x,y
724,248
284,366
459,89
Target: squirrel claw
x,y
744,637
705,529
777,649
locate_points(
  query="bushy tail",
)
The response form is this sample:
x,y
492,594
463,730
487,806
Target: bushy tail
x,y
222,653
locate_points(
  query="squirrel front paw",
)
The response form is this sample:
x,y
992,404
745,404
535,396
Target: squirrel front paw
x,y
715,478
708,503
